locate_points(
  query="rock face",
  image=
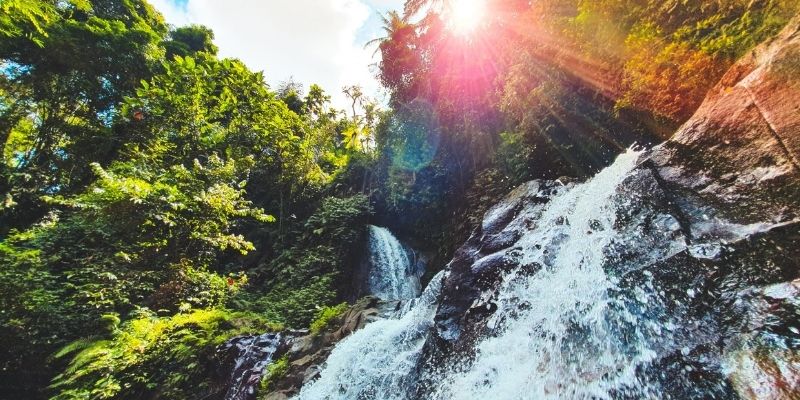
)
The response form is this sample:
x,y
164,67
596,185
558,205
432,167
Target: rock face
x,y
761,368
246,358
739,153
479,264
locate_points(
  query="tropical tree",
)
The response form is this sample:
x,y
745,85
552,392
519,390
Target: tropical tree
x,y
67,68
188,40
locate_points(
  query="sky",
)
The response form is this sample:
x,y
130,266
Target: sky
x,y
310,41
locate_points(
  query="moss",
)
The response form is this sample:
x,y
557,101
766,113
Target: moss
x,y
325,316
275,371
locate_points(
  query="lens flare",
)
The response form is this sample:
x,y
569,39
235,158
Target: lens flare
x,y
466,15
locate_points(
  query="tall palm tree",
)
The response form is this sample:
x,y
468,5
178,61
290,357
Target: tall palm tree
x,y
393,22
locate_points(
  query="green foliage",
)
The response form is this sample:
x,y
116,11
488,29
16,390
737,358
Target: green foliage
x,y
190,288
178,211
317,268
671,80
188,40
336,220
291,93
124,242
69,66
399,60
292,303
325,316
37,311
275,371
674,51
25,18
514,157
203,106
149,356
138,170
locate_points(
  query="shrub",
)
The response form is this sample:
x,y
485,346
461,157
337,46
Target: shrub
x,y
325,316
316,269
192,287
668,79
275,371
152,356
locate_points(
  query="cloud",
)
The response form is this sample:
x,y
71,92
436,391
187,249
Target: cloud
x,y
313,41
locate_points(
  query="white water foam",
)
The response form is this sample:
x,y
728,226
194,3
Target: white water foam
x,y
376,362
559,333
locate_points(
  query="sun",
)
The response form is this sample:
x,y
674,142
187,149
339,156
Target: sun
x,y
465,15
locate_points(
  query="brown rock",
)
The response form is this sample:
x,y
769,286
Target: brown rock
x,y
739,152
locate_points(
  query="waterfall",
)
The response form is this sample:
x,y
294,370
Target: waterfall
x,y
390,275
250,357
560,333
376,362
599,295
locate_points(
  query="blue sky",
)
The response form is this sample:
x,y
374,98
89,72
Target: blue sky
x,y
313,41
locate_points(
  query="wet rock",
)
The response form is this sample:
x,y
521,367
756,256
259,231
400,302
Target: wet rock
x,y
763,362
306,352
246,357
478,264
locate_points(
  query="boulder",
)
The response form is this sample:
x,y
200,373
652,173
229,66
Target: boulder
x,y
479,263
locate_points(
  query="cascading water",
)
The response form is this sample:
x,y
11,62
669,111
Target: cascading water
x,y
559,331
250,356
390,275
600,294
377,361
380,357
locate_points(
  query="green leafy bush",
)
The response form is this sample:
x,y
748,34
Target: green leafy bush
x,y
148,356
275,371
514,155
325,316
669,79
191,288
673,51
290,303
140,170
317,269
